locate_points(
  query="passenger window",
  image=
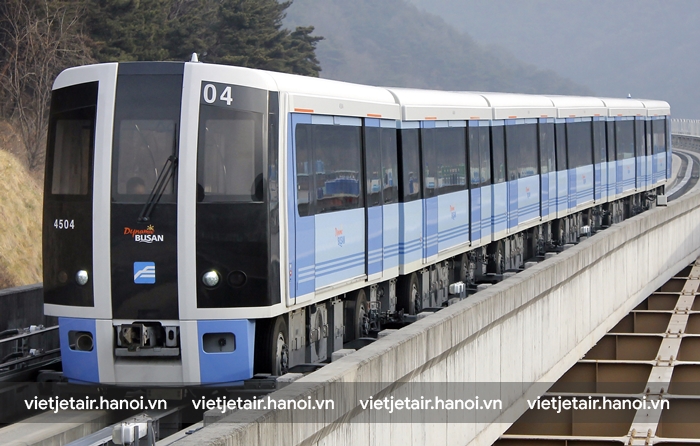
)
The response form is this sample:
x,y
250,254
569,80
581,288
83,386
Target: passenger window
x,y
498,152
451,159
579,143
410,165
610,125
599,152
521,149
373,166
333,166
389,165
560,136
547,147
474,157
659,136
485,155
429,159
639,137
624,139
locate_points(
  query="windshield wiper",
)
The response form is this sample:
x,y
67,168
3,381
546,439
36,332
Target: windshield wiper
x,y
165,174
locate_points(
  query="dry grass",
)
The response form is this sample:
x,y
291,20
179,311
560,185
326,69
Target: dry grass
x,y
20,216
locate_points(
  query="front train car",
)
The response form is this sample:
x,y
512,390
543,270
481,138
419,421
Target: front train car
x,y
161,220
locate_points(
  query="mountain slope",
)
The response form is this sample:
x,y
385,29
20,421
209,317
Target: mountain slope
x,y
20,224
393,43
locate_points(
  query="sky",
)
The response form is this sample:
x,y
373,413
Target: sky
x,y
645,48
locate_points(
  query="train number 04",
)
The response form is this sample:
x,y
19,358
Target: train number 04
x,y
64,224
209,94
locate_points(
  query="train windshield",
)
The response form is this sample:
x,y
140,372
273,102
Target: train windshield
x,y
230,147
146,122
71,137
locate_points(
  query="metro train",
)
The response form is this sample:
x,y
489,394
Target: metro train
x,y
205,223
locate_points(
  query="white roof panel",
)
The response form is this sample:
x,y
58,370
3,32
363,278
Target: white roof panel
x,y
577,106
440,105
624,107
656,108
512,106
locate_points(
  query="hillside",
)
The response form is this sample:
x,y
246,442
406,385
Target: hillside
x,y
394,43
20,220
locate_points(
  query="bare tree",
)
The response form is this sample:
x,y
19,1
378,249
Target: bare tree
x,y
39,39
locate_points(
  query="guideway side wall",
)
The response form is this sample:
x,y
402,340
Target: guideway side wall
x,y
528,329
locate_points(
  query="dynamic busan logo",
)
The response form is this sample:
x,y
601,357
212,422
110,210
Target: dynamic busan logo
x,y
453,212
584,178
339,236
527,192
147,235
144,272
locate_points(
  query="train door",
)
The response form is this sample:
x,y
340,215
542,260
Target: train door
x,y
381,198
547,169
302,261
330,220
430,200
374,198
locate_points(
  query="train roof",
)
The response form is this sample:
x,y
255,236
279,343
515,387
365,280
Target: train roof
x,y
578,106
515,106
656,108
624,107
440,105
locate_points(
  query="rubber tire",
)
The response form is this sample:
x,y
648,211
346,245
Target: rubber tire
x,y
356,307
408,293
267,339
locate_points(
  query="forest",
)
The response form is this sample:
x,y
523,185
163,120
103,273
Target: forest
x,y
40,38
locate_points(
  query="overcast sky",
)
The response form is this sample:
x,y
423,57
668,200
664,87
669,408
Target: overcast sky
x,y
646,48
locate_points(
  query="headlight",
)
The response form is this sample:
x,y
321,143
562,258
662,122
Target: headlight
x,y
210,279
81,277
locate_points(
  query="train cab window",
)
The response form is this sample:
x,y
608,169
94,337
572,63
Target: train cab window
x,y
498,160
624,139
332,169
229,155
579,142
547,148
610,127
451,150
599,152
409,158
659,135
521,150
71,138
147,115
639,142
560,138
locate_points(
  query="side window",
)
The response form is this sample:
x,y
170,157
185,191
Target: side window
x,y
390,164
410,187
331,158
474,158
659,135
451,159
579,136
521,150
599,152
560,137
498,151
373,166
547,147
624,139
429,161
304,174
485,155
639,142
610,125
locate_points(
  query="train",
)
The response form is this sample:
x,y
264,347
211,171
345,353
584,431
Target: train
x,y
206,223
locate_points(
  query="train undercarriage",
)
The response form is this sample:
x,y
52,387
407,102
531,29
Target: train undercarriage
x,y
310,335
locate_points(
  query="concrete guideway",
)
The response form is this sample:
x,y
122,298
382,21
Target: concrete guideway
x,y
530,328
